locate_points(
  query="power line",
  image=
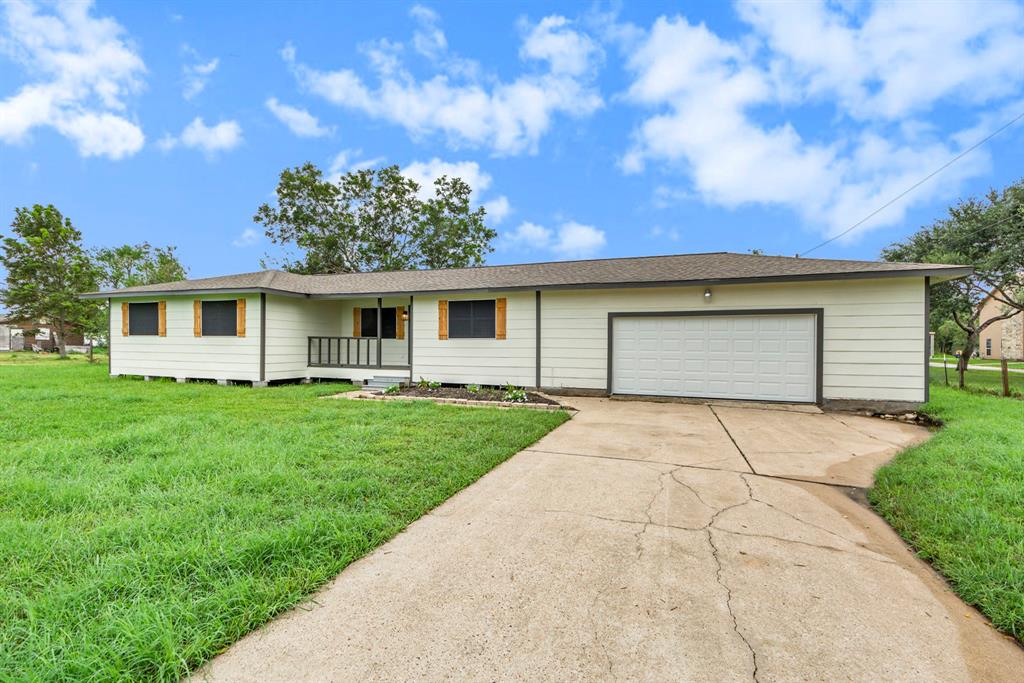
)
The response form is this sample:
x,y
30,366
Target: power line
x,y
918,184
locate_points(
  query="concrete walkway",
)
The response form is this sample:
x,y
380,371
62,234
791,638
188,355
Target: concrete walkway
x,y
646,541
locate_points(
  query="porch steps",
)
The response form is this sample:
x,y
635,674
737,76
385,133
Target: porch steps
x,y
381,382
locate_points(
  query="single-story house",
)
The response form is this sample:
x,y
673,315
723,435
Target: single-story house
x,y
716,325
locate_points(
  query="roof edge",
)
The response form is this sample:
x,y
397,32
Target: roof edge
x,y
945,272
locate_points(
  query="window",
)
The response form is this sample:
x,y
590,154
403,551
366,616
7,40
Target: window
x,y
471,319
220,318
988,346
143,319
388,319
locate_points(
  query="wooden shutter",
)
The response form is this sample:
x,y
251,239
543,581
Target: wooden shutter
x,y
442,319
399,324
161,325
500,326
197,318
124,319
357,322
240,317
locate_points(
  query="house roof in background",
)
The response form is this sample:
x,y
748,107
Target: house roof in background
x,y
642,271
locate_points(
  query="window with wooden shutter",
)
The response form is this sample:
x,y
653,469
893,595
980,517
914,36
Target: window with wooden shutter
x,y
197,318
220,318
357,321
500,307
124,319
161,326
442,319
400,322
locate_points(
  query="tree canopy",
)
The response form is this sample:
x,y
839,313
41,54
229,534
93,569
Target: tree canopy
x,y
47,269
988,234
138,264
370,220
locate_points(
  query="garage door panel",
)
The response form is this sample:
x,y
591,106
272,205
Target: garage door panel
x,y
766,357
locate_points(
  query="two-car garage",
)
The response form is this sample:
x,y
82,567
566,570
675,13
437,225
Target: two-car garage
x,y
749,355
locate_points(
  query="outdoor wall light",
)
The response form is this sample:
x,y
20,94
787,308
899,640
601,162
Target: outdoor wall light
x,y
707,294
405,315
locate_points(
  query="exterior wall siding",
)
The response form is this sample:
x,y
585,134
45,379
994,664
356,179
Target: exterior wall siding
x,y
476,361
181,353
873,343
290,321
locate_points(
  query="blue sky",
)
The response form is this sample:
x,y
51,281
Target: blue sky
x,y
587,130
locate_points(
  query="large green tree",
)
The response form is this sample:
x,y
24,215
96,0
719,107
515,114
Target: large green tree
x,y
371,220
47,269
138,264
988,234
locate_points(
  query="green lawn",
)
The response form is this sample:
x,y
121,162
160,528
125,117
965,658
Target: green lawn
x,y
958,499
979,361
145,527
981,380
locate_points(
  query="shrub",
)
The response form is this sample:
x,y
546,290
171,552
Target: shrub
x,y
393,389
473,388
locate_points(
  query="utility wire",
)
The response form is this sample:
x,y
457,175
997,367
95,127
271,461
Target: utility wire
x,y
918,184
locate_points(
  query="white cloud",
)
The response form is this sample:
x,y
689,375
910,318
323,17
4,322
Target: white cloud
x,y
298,121
197,74
248,238
350,160
897,58
222,137
83,71
507,117
705,94
426,172
429,40
497,209
572,239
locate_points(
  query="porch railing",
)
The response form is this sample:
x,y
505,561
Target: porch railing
x,y
345,352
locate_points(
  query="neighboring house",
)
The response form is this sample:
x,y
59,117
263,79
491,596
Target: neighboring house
x,y
1003,338
24,334
719,325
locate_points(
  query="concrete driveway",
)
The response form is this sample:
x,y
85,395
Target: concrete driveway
x,y
647,541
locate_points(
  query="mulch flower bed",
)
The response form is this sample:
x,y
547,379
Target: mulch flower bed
x,y
482,394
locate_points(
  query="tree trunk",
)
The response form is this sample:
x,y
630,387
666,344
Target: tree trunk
x,y
965,357
58,331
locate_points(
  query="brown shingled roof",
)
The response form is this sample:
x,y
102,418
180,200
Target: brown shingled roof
x,y
680,269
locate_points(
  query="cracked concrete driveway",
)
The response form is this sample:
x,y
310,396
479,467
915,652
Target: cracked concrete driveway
x,y
647,541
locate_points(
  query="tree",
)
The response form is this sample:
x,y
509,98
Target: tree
x,y
373,220
988,234
46,271
139,264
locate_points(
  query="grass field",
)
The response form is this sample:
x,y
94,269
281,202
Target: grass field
x,y
958,499
146,526
981,380
990,362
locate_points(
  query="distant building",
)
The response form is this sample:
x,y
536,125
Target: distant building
x,y
16,335
1002,339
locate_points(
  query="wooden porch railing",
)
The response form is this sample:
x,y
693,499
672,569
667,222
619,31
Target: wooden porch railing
x,y
346,352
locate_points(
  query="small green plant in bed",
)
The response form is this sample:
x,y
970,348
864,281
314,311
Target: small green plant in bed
x,y
514,394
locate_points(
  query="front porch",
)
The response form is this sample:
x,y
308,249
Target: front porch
x,y
375,335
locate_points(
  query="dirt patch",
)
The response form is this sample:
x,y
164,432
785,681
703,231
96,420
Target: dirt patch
x,y
483,394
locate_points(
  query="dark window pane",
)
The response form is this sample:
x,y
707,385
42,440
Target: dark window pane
x,y
368,328
220,318
471,319
143,319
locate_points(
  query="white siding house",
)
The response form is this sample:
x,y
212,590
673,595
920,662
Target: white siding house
x,y
705,325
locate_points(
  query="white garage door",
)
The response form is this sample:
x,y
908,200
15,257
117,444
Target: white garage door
x,y
756,357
